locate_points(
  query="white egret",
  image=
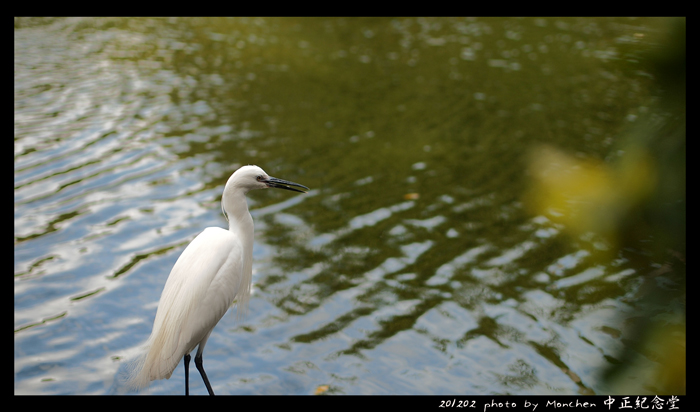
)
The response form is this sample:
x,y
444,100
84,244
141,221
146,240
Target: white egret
x,y
214,270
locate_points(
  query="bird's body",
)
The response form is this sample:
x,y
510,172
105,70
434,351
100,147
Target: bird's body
x,y
183,321
213,272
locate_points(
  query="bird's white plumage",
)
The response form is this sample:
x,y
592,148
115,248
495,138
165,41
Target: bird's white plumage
x,y
213,271
182,319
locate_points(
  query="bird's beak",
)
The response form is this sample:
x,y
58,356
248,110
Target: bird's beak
x,y
284,184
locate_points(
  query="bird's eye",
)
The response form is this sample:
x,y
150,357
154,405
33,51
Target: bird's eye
x,y
259,178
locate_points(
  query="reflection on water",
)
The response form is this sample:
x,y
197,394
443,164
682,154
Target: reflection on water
x,y
410,268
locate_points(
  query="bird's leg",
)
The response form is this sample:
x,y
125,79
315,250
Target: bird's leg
x,y
187,374
200,368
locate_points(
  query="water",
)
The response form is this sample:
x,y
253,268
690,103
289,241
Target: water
x,y
411,268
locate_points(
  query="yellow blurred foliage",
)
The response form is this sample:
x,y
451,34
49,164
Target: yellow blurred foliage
x,y
588,195
665,344
638,198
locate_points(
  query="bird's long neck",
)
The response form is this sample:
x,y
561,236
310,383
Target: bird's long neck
x,y
239,219
240,223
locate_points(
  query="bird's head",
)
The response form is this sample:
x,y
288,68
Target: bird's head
x,y
253,177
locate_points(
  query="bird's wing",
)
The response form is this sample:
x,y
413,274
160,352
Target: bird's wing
x,y
184,295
